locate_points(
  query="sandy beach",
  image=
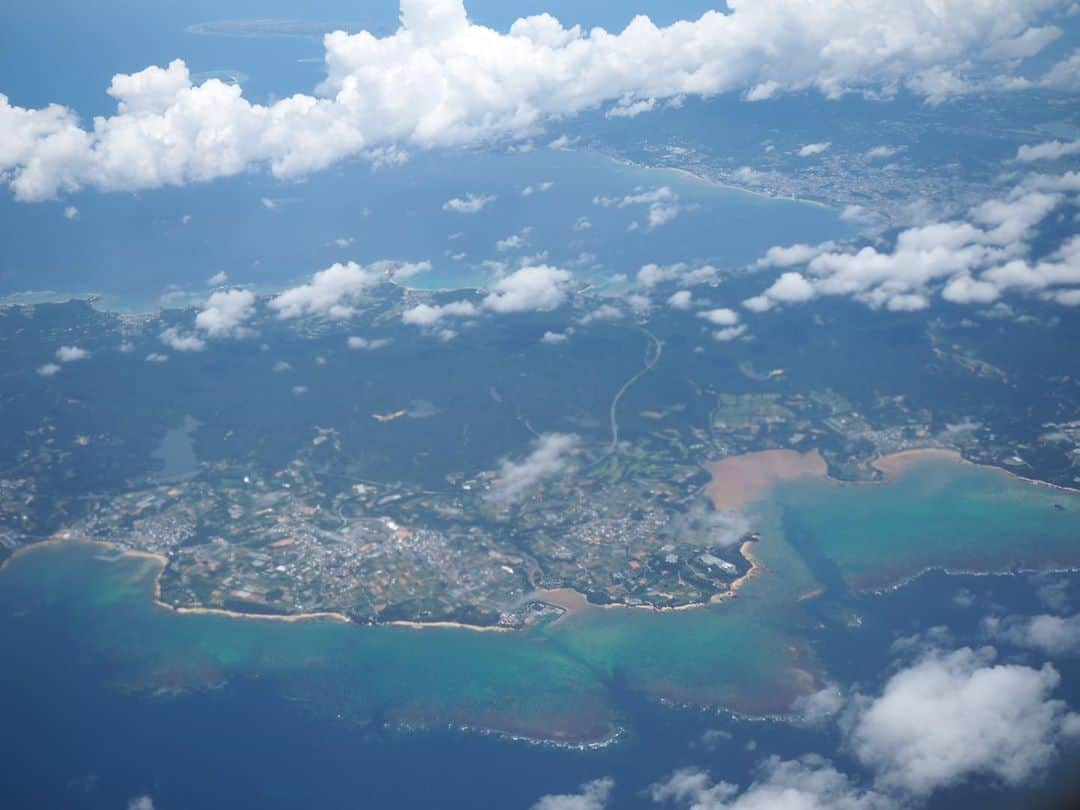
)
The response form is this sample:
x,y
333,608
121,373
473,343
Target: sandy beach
x,y
895,465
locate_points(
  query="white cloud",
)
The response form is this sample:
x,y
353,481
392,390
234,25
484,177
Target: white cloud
x,y
581,224
157,357
225,313
963,289
604,312
812,149
791,255
539,188
789,288
141,803
368,344
971,260
551,455
1047,150
514,241
954,716
814,709
181,341
808,783
69,354
441,80
554,338
469,204
48,370
71,212
530,288
720,317
628,108
1050,635
1065,75
650,275
681,299
332,293
430,314
730,333
593,796
883,151
662,202
218,279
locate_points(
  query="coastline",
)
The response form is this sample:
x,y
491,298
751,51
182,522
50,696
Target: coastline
x,y
573,602
707,181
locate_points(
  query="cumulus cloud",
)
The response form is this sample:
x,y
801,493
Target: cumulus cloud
x,y
514,241
1047,150
69,354
680,299
594,795
550,456
973,260
469,204
808,783
651,275
883,151
181,341
604,312
1044,633
812,149
663,204
540,287
814,709
721,316
332,293
430,314
729,333
789,288
367,344
954,716
791,255
225,313
141,803
218,279
442,80
48,370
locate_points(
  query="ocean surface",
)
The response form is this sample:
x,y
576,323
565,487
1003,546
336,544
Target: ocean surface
x,y
109,696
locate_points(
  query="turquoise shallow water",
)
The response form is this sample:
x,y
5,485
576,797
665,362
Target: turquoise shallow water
x,y
752,654
940,513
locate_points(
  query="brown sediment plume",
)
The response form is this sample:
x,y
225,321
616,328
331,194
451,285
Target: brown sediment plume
x,y
567,599
740,480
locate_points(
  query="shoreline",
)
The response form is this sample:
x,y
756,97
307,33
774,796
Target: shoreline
x,y
573,602
568,600
707,181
